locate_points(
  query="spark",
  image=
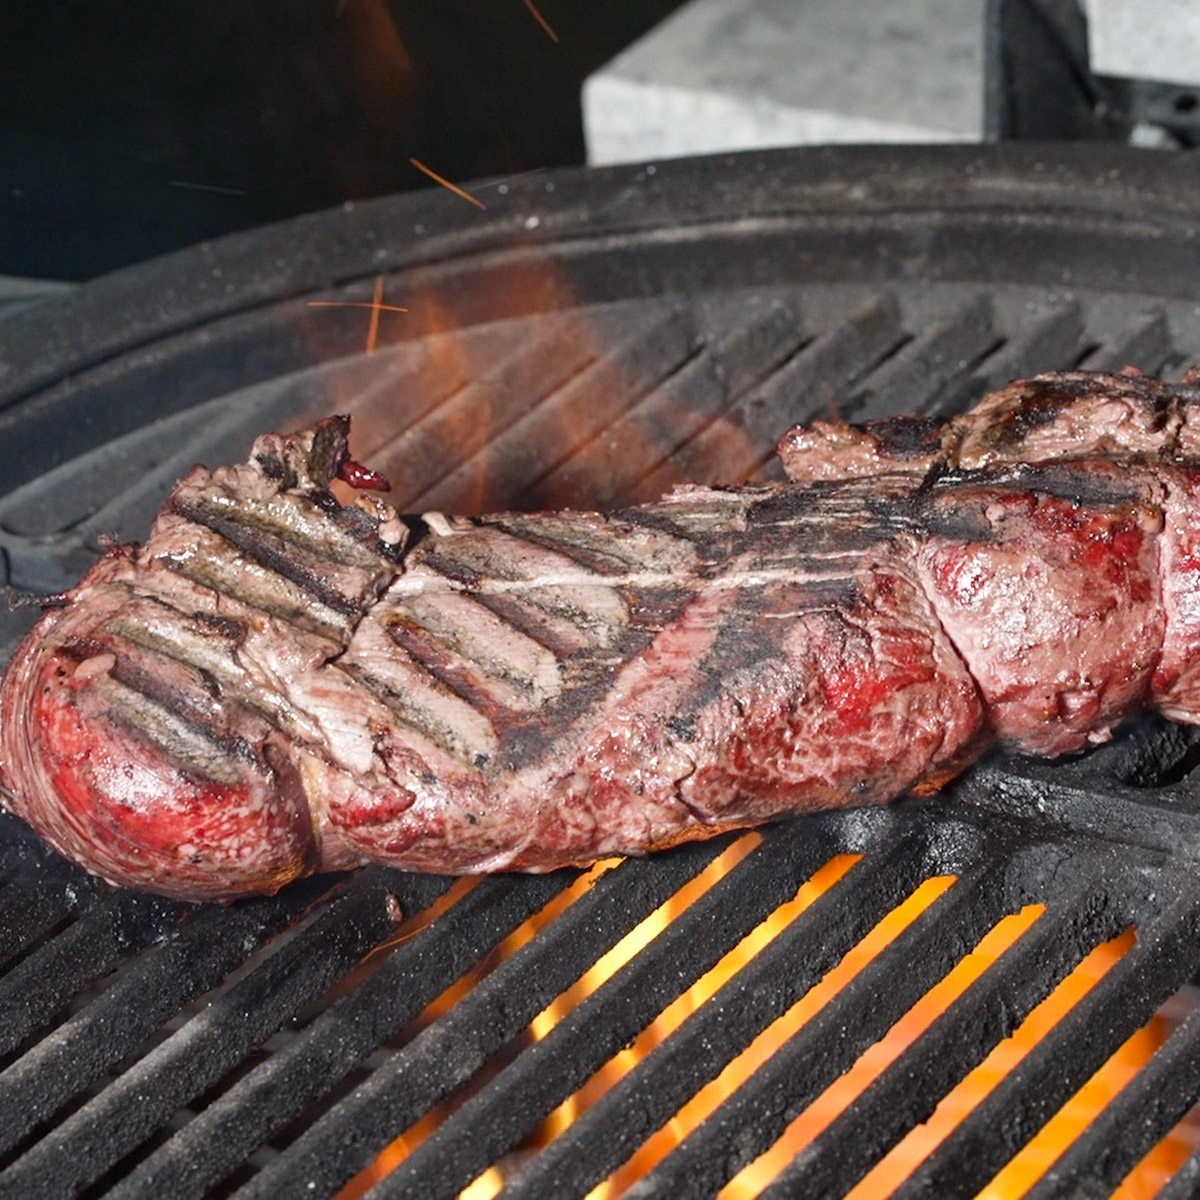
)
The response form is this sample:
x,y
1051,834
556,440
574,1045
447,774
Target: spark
x,y
537,16
416,162
206,187
375,304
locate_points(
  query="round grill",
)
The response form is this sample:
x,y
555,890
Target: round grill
x,y
591,339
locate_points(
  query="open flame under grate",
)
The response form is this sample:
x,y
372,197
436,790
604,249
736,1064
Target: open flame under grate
x,y
765,1014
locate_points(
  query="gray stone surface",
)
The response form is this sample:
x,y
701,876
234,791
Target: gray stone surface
x,y
1145,39
741,74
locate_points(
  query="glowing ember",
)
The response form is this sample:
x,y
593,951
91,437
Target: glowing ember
x,y
453,187
541,20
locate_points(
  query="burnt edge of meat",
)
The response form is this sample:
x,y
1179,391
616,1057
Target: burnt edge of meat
x,y
910,436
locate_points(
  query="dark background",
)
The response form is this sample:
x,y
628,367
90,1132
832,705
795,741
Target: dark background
x,y
130,129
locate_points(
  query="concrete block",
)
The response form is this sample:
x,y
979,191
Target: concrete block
x,y
1145,39
744,74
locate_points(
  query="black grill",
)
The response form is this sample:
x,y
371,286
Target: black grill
x,y
592,339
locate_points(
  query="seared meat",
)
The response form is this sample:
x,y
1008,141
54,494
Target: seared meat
x,y
275,683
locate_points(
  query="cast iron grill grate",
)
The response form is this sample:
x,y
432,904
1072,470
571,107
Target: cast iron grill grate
x,y
594,339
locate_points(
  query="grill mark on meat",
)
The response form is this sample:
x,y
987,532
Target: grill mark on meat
x,y
492,698
561,638
173,722
604,545
500,653
376,661
196,707
417,718
205,642
305,522
599,557
907,437
274,554
1086,483
213,563
453,568
181,743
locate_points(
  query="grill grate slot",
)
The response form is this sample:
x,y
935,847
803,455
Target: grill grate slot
x,y
808,384
646,345
758,1112
907,1093
1047,344
1123,1001
1132,1123
1145,344
43,984
207,947
741,340
420,968
607,1133
925,373
449,1052
31,906
549,1071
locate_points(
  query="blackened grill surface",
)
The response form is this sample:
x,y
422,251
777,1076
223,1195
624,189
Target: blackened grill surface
x,y
642,330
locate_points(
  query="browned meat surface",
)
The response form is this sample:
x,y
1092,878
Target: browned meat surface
x,y
275,683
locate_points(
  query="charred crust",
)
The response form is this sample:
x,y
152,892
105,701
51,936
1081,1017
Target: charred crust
x,y
590,559
524,620
329,449
906,436
418,531
442,666
325,500
272,465
166,697
267,552
451,568
362,527
225,627
1043,399
684,728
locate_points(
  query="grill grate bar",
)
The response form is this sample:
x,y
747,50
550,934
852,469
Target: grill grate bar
x,y
1145,343
450,1051
423,374
757,1113
744,340
1048,343
640,350
529,1089
641,1102
555,349
908,1092
929,368
31,904
208,946
1124,1000
1132,1123
135,1105
217,1140
42,984
1183,1185
812,381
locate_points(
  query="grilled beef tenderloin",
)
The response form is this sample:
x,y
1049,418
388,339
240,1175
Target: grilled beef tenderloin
x,y
276,683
